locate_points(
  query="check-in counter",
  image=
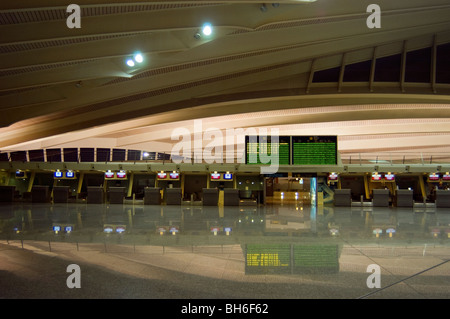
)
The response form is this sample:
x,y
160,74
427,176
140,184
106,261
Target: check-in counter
x,y
95,195
116,195
152,196
231,197
380,198
405,198
173,196
40,194
343,197
210,196
7,194
442,198
60,194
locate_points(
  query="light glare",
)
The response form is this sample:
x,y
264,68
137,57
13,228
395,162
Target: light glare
x,y
138,58
207,29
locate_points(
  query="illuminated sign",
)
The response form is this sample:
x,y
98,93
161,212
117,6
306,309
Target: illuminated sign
x,y
70,174
21,174
121,175
314,150
434,177
257,146
109,175
221,176
174,176
215,176
161,176
376,177
64,175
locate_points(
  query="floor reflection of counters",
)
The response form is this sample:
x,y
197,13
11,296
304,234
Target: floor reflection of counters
x,y
35,219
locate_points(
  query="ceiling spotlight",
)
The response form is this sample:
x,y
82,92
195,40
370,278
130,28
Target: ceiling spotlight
x,y
138,58
130,62
275,5
207,29
263,7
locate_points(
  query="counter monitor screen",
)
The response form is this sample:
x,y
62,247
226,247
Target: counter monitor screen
x,y
20,174
57,174
162,175
174,176
376,177
433,177
333,177
389,177
227,176
215,176
70,174
109,175
121,175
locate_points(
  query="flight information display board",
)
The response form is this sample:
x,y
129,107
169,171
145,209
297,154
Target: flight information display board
x,y
314,150
253,153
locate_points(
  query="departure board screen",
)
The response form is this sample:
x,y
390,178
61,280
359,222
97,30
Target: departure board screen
x,y
254,145
314,150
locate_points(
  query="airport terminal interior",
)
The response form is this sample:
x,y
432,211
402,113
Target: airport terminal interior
x,y
225,149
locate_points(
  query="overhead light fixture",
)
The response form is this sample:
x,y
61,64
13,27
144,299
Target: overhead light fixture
x,y
207,29
138,58
263,7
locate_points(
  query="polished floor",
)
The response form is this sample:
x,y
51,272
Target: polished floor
x,y
137,251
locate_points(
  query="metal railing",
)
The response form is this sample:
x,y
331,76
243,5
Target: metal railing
x,y
395,158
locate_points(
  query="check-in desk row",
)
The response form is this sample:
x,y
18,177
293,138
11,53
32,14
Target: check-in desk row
x,y
404,198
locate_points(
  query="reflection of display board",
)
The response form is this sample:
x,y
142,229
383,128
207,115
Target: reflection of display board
x,y
253,151
268,258
221,177
314,150
291,258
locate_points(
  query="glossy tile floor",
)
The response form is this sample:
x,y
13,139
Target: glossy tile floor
x,y
164,252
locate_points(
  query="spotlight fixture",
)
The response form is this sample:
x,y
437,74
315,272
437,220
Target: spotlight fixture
x,y
263,7
207,29
138,58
